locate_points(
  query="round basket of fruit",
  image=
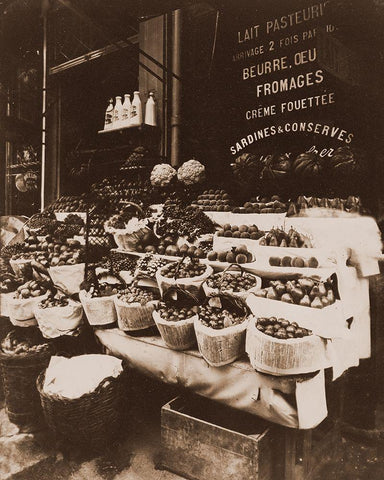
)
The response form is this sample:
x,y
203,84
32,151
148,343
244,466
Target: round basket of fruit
x,y
129,228
98,303
134,307
23,355
8,284
279,347
188,274
234,280
220,329
22,303
58,315
175,316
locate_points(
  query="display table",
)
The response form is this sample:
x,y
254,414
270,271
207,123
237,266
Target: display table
x,y
292,402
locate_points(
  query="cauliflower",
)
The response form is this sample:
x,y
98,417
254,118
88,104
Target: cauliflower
x,y
191,172
162,174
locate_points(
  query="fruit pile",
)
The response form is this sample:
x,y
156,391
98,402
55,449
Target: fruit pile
x,y
101,289
234,283
71,203
135,294
297,262
281,328
148,265
44,223
304,291
31,288
53,301
242,231
214,201
351,204
239,254
122,262
273,204
218,318
172,313
13,344
9,283
277,237
187,269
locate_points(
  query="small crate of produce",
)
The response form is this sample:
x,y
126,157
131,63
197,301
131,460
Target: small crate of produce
x,y
220,329
82,398
203,441
175,316
134,308
23,355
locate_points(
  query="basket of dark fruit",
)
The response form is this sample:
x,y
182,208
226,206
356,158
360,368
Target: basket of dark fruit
x,y
134,307
174,317
220,329
188,274
234,280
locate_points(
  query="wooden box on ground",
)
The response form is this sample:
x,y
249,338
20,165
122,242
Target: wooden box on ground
x,y
204,440
308,451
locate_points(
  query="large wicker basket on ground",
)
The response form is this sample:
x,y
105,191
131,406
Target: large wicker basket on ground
x,y
19,373
90,420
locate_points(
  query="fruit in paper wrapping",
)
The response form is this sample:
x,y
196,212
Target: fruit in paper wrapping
x,y
308,165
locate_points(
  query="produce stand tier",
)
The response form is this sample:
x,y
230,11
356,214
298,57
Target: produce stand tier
x,y
296,402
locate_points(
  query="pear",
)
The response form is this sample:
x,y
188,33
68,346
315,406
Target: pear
x,y
280,289
311,202
289,286
283,243
322,289
297,294
325,301
314,292
330,296
293,243
305,301
323,203
317,303
271,294
301,199
287,298
306,283
292,210
273,241
261,293
262,241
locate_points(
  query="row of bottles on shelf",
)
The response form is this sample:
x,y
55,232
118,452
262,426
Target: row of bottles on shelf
x,y
130,113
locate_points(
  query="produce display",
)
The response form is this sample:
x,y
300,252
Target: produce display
x,y
299,207
9,283
219,318
149,265
305,291
214,201
289,261
281,328
101,290
122,262
227,281
238,254
135,294
188,269
30,289
70,203
272,204
168,311
242,231
53,301
277,237
15,344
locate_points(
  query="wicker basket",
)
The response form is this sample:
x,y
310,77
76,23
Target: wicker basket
x,y
19,373
91,420
100,311
178,335
134,316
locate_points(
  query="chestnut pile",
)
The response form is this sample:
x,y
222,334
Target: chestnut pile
x,y
135,294
304,291
168,311
281,328
234,283
214,200
188,269
53,301
218,318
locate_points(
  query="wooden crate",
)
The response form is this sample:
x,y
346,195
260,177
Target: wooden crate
x,y
204,440
307,451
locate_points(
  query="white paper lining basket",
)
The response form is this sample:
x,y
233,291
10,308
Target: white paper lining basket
x,y
134,316
179,335
99,310
21,310
221,347
4,303
191,284
284,357
68,277
209,291
58,321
